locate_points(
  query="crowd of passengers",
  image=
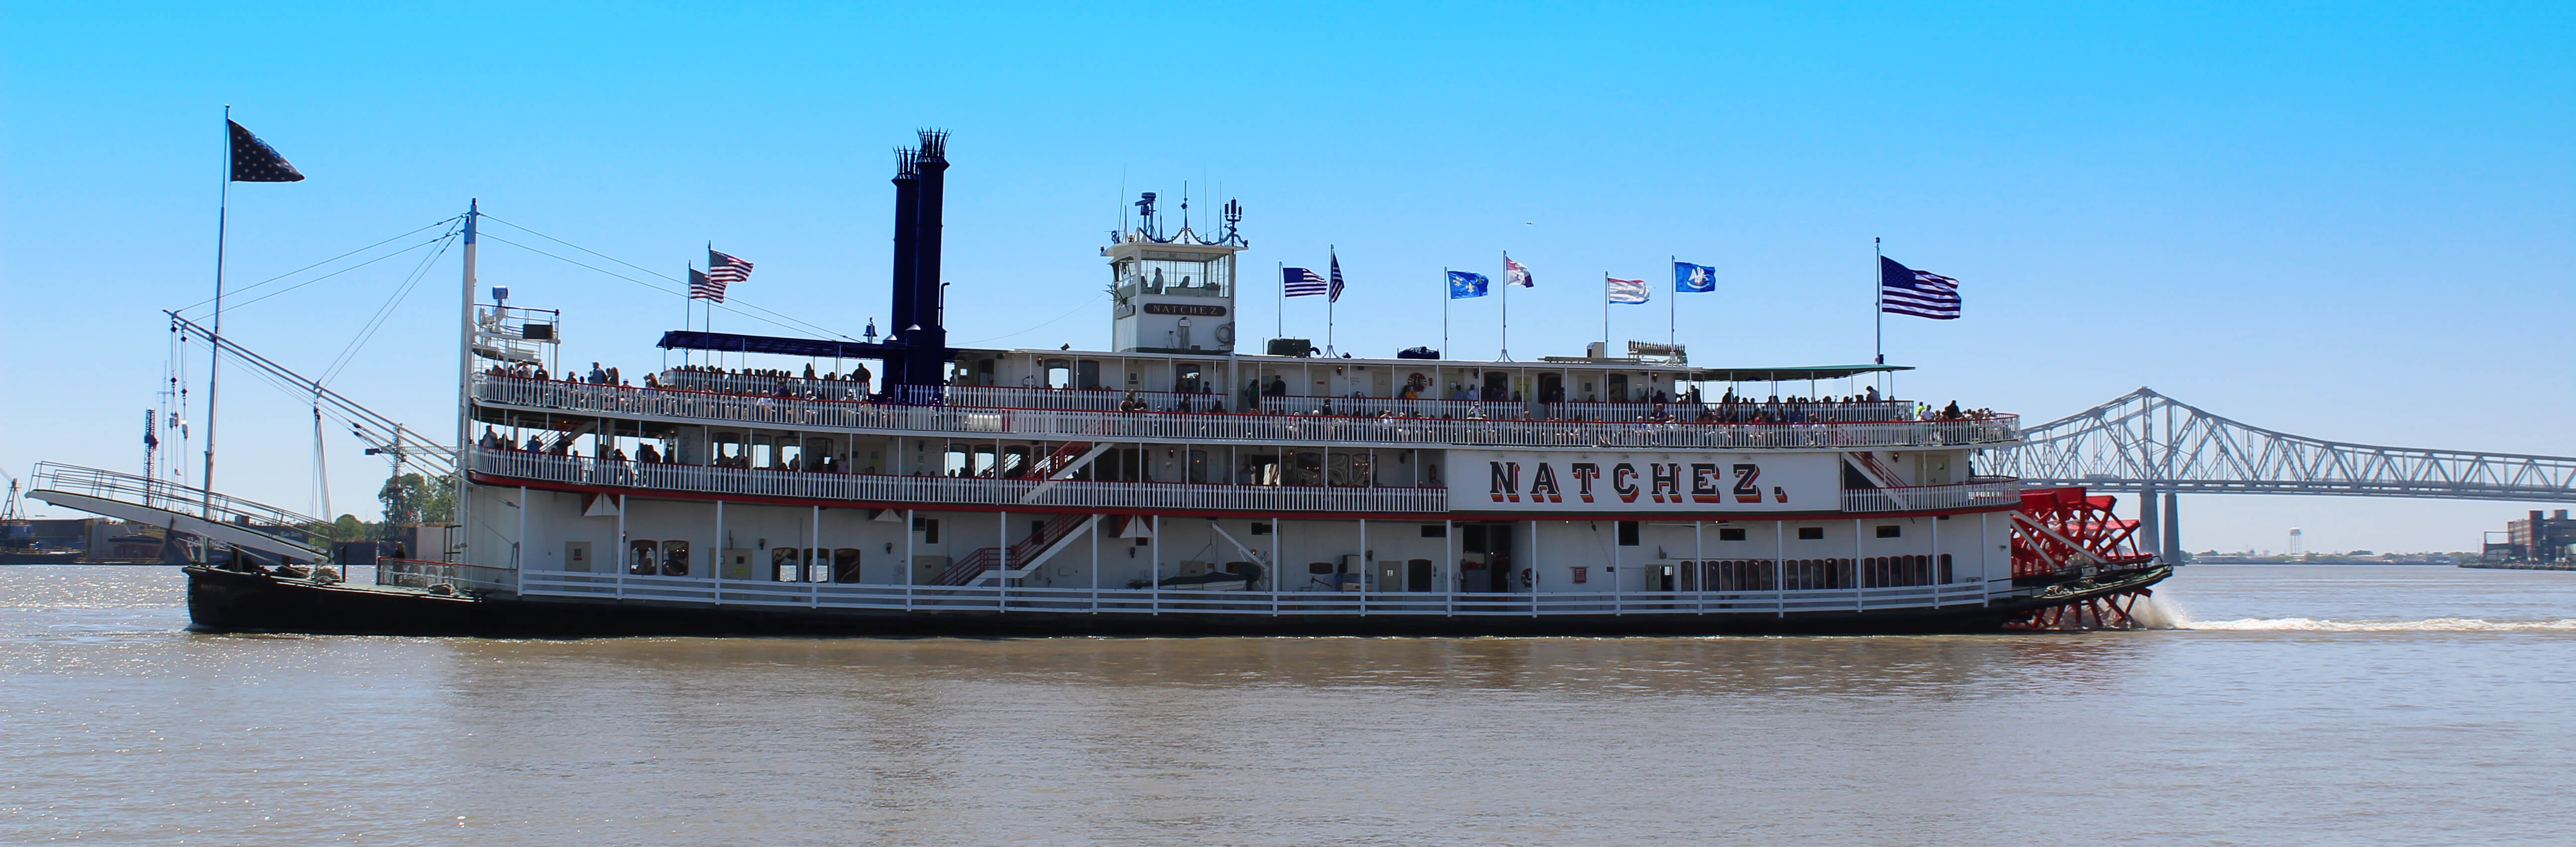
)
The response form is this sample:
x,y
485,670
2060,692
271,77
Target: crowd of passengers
x,y
1688,406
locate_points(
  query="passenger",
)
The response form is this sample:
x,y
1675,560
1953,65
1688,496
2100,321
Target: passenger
x,y
597,376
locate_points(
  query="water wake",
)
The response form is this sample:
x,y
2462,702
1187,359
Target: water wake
x,y
2431,625
2165,611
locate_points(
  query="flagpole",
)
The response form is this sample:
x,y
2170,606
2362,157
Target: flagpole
x,y
1605,314
1878,289
1280,272
1673,307
1445,296
1507,305
214,336
1331,297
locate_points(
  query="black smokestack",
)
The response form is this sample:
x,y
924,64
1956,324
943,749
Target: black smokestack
x,y
920,196
929,303
907,235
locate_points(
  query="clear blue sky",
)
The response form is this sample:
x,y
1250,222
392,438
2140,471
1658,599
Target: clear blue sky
x,y
2339,219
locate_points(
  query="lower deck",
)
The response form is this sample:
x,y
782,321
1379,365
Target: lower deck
x,y
610,605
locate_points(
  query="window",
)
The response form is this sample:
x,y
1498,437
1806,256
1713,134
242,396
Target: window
x,y
1319,568
1945,567
1730,533
1260,528
786,565
1891,531
644,557
1811,533
1433,530
675,558
845,564
1627,533
929,529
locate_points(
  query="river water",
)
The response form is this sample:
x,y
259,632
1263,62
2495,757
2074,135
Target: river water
x,y
2291,705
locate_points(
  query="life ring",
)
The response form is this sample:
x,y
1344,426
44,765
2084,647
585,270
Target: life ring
x,y
1225,333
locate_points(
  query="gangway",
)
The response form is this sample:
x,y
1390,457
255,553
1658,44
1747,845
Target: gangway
x,y
215,517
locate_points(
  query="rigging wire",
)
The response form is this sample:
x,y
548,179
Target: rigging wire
x,y
1085,305
798,325
292,288
377,321
724,306
248,288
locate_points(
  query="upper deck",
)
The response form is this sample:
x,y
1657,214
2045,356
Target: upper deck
x,y
1077,414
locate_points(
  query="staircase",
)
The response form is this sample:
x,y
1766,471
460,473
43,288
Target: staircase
x,y
1061,464
986,563
1064,460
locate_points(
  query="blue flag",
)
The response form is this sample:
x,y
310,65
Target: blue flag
x,y
1463,285
1697,278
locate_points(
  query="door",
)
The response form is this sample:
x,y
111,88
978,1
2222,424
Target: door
x,y
1417,575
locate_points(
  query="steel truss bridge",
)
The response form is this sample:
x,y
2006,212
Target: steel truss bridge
x,y
2150,444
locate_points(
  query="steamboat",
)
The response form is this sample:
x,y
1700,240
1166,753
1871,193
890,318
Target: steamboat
x,y
1174,484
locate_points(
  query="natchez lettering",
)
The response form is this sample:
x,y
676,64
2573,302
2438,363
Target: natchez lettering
x,y
1663,482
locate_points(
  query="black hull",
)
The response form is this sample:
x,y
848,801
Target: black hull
x,y
233,601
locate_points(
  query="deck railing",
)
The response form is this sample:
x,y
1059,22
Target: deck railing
x,y
1975,493
1009,599
875,488
422,573
169,496
1289,429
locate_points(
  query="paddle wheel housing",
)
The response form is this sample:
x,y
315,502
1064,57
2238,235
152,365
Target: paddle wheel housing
x,y
2064,532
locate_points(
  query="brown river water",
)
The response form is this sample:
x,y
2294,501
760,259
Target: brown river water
x,y
2289,705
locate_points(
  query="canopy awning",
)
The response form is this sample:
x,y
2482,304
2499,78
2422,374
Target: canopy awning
x,y
1697,374
726,342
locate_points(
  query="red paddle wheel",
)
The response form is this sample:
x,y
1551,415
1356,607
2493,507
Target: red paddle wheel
x,y
2065,532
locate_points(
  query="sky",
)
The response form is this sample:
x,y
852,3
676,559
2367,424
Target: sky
x,y
2353,221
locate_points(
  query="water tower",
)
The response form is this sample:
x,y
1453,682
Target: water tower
x,y
1173,293
2298,546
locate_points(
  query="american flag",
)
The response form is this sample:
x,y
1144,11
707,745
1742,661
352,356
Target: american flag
x,y
1906,291
703,288
1337,278
1301,282
726,269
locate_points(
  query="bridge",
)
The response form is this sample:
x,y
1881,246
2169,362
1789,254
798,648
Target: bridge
x,y
2151,445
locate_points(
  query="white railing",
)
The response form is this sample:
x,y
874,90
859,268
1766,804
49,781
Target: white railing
x,y
1978,493
159,494
1007,599
1288,429
421,573
876,488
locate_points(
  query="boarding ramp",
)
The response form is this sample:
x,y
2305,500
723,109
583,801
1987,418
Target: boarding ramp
x,y
215,517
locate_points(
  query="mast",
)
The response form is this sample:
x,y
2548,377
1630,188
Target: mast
x,y
465,371
214,342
